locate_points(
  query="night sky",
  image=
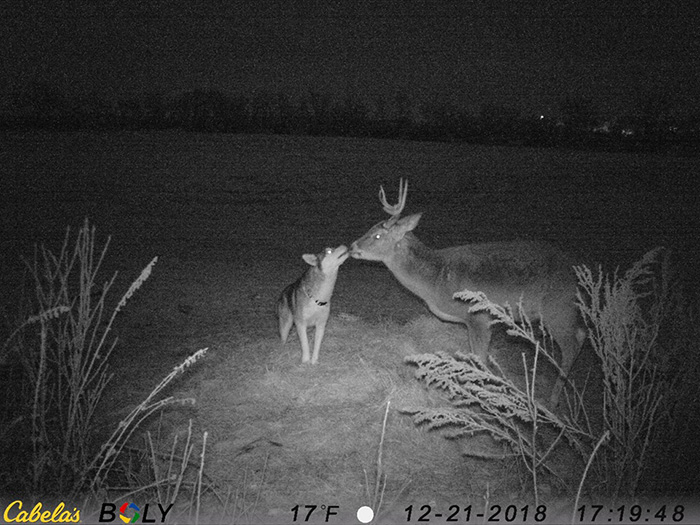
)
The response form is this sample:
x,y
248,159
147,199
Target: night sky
x,y
527,54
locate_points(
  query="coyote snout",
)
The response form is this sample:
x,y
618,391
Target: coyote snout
x,y
307,301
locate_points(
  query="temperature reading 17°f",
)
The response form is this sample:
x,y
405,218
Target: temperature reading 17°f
x,y
303,513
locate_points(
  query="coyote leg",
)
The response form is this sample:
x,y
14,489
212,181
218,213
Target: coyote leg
x,y
301,330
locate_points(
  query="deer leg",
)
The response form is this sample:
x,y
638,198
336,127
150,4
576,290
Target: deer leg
x,y
569,346
479,334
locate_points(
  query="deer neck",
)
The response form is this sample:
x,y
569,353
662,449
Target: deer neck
x,y
318,286
414,264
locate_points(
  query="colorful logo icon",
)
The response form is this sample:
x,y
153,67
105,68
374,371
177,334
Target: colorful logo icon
x,y
126,519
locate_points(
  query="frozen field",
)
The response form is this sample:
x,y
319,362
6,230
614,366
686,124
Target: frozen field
x,y
222,197
230,217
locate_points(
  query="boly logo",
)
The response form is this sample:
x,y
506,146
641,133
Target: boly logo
x,y
122,510
132,513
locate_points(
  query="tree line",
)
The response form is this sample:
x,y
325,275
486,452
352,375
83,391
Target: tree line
x,y
651,125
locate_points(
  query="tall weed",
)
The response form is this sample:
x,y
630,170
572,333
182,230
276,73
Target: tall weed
x,y
625,317
64,345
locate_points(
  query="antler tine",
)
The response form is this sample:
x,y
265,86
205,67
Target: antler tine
x,y
397,208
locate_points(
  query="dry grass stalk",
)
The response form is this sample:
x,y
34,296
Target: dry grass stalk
x,y
169,474
603,439
624,316
376,497
66,363
103,462
199,477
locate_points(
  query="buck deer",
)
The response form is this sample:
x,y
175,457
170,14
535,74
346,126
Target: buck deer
x,y
307,301
505,271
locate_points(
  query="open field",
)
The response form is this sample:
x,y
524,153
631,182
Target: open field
x,y
230,216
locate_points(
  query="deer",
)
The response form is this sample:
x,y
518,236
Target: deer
x,y
307,301
537,273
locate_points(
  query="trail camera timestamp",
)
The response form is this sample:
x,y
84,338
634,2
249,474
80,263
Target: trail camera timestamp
x,y
631,514
469,514
589,514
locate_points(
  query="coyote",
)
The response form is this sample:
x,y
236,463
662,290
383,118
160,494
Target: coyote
x,y
307,301
505,271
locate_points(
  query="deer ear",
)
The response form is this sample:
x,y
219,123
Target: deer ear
x,y
309,258
406,224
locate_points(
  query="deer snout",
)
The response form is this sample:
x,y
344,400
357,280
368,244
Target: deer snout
x,y
355,251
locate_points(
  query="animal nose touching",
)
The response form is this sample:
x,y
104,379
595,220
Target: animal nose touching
x,y
537,273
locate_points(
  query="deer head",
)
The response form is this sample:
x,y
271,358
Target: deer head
x,y
379,243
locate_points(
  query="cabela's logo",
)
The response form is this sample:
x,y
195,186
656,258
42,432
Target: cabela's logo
x,y
59,514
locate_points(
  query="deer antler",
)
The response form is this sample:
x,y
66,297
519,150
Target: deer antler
x,y
397,208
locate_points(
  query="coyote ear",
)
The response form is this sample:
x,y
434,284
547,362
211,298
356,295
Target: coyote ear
x,y
406,224
309,258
